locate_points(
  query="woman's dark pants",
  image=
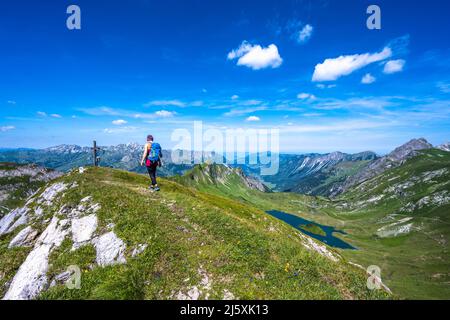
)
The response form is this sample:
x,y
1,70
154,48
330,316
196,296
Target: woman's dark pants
x,y
152,172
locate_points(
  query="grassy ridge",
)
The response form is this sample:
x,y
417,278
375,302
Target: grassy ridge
x,y
189,234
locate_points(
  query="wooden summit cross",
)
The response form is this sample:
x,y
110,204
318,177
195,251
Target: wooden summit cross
x,y
95,149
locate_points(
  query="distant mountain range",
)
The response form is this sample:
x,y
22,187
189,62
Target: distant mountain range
x,y
313,174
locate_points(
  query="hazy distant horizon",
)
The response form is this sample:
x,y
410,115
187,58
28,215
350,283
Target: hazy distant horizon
x,y
299,152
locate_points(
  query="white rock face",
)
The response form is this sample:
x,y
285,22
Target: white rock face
x,y
139,249
35,172
24,238
83,229
394,230
445,147
79,222
321,249
51,192
110,249
39,211
227,295
55,232
12,220
195,292
31,278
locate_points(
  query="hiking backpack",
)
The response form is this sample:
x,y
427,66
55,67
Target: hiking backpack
x,y
155,152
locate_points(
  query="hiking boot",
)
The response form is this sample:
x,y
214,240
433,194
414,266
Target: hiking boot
x,y
151,188
156,188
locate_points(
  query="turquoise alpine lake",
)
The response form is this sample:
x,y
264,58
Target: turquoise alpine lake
x,y
302,224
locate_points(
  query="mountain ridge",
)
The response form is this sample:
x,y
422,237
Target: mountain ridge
x,y
181,244
394,159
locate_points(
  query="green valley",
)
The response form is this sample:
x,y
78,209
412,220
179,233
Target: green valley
x,y
398,220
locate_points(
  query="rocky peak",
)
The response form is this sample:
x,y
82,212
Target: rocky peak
x,y
335,156
444,146
394,159
408,149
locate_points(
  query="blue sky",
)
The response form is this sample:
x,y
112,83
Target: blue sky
x,y
311,69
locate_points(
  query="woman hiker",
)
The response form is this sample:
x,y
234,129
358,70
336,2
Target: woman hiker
x,y
152,158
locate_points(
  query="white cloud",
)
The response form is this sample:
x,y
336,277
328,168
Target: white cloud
x,y
11,102
368,79
306,96
234,97
164,114
171,103
197,103
106,111
305,34
242,111
374,103
394,66
322,86
7,128
444,87
252,102
119,122
332,69
253,118
119,130
102,111
340,126
256,57
312,114
43,114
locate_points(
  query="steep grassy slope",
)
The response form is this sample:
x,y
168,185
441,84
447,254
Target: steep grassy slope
x,y
179,243
222,180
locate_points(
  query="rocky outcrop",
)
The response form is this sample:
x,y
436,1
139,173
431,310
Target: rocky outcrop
x,y
80,223
31,278
35,172
82,229
110,249
14,219
18,182
252,182
24,238
444,147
